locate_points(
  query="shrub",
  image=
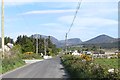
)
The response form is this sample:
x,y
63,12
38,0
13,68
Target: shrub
x,y
30,55
11,63
86,57
77,68
13,60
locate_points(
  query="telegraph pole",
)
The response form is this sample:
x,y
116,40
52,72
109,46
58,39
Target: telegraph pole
x,y
37,44
2,26
45,47
79,4
66,43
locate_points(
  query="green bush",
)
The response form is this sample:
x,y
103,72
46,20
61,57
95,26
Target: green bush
x,y
30,56
11,63
12,60
77,68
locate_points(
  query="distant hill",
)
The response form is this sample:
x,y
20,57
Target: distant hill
x,y
60,43
104,41
53,39
72,41
101,39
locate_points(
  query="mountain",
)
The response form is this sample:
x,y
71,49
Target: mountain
x,y
72,41
61,43
53,39
104,41
101,39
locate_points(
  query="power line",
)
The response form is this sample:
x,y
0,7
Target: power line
x,y
77,9
66,35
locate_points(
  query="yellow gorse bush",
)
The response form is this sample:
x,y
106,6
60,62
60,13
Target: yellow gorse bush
x,y
86,57
28,53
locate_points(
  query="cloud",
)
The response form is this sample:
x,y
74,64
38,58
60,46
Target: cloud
x,y
48,11
85,11
60,0
55,27
88,21
22,2
93,18
99,12
85,27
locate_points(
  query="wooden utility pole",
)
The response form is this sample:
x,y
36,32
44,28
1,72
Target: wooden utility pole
x,y
37,44
45,46
2,26
66,43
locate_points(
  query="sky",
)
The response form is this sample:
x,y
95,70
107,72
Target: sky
x,y
54,17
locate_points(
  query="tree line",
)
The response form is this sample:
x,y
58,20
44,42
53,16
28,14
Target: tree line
x,y
28,44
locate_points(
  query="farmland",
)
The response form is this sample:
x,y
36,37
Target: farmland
x,y
110,63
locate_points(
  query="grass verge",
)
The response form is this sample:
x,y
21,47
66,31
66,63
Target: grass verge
x,y
10,64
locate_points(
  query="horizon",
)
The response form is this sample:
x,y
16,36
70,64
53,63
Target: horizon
x,y
54,18
64,39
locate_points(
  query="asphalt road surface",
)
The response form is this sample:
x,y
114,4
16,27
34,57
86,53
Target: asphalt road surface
x,y
50,68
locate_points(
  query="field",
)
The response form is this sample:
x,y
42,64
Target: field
x,y
110,63
79,68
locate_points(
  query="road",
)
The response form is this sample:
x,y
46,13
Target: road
x,y
50,68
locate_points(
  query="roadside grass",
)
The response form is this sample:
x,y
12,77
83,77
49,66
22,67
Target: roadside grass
x,y
0,69
110,63
10,64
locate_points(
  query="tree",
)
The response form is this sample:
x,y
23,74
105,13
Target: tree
x,y
26,43
41,45
94,48
8,40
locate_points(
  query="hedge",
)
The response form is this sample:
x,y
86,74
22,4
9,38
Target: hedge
x,y
79,68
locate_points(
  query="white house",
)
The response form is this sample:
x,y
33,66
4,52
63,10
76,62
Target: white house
x,y
8,47
75,53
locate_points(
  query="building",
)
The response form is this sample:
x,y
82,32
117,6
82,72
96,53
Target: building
x,y
75,53
8,47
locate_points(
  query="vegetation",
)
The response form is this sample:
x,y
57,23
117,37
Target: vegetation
x,y
11,63
12,59
0,69
77,67
104,45
25,48
8,40
110,63
28,44
31,55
